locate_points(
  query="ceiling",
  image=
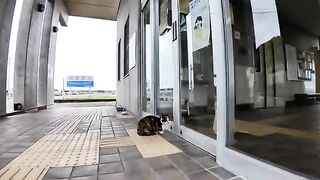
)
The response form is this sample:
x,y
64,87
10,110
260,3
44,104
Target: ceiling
x,y
101,9
303,13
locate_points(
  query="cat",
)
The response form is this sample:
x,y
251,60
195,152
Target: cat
x,y
151,125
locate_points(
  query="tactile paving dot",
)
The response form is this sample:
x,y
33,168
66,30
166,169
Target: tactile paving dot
x,y
60,148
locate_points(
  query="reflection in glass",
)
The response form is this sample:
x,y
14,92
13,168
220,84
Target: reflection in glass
x,y
276,64
198,93
166,64
146,97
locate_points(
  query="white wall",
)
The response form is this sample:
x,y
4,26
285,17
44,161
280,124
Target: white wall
x,y
128,95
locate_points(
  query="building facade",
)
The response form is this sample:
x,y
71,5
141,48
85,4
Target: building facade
x,y
30,73
237,78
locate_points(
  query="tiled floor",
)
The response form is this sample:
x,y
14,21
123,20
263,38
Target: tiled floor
x,y
298,151
18,133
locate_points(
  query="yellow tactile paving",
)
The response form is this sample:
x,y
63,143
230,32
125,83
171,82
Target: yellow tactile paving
x,y
60,148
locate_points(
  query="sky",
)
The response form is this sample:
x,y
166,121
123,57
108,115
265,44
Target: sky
x,y
87,47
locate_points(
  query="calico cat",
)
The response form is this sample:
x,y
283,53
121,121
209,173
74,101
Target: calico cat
x,y
150,125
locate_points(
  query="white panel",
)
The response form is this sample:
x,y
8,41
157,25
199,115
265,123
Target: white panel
x,y
244,80
291,54
259,83
133,99
265,15
270,76
132,51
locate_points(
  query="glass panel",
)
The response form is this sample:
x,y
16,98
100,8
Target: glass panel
x,y
277,89
198,93
166,64
147,59
126,48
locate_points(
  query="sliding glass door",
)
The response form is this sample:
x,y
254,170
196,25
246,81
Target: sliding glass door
x,y
166,71
197,86
146,60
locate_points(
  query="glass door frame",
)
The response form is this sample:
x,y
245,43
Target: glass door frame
x,y
143,58
206,143
228,157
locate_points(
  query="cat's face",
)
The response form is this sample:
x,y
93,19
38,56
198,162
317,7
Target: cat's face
x,y
164,118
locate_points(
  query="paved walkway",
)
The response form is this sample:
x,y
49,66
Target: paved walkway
x,y
70,141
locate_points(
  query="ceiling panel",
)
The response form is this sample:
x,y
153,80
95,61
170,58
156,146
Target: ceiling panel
x,y
303,13
101,9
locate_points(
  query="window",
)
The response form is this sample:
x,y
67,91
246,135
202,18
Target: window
x,y
119,60
275,82
146,96
126,48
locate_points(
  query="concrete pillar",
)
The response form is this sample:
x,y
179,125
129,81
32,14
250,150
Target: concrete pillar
x,y
21,52
28,54
52,57
33,56
44,55
59,15
6,17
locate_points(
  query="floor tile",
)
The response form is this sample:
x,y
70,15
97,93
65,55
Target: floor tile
x,y
185,164
80,171
193,151
144,175
237,178
127,149
203,175
109,158
222,173
110,168
107,136
107,151
58,173
169,173
158,162
136,166
85,178
117,176
179,158
9,155
17,149
207,162
129,156
5,162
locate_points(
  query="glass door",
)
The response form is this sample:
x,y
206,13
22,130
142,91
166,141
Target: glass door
x,y
166,72
197,86
146,87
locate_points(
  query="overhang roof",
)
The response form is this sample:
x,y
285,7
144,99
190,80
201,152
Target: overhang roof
x,y
101,9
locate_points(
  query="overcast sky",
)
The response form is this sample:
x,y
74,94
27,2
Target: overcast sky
x,y
87,47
